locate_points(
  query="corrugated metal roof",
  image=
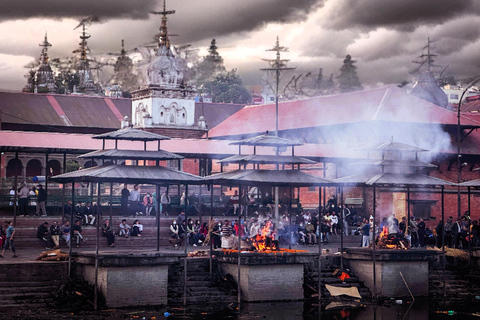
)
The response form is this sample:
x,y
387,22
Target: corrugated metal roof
x,y
393,146
471,183
266,140
132,155
132,135
215,113
80,111
266,159
393,179
393,163
389,104
291,178
129,174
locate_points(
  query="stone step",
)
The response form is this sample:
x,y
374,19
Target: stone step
x,y
24,290
198,283
8,284
25,296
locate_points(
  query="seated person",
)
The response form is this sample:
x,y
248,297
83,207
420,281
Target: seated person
x,y
124,229
78,211
44,234
77,232
55,234
108,233
137,229
65,230
89,213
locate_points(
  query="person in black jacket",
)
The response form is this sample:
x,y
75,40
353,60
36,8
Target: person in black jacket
x,y
44,234
55,234
67,209
108,233
41,201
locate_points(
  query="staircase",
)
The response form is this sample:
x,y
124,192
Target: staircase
x,y
29,285
459,288
200,288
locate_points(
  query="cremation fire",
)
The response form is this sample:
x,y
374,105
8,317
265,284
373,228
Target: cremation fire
x,y
264,240
391,241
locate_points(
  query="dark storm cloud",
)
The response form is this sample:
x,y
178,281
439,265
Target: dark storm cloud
x,y
404,14
200,19
57,9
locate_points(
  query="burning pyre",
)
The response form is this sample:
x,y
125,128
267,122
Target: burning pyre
x,y
391,241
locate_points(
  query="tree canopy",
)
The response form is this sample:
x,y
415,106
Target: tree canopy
x,y
348,80
227,88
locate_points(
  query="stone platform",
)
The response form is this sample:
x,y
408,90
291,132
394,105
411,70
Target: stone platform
x,y
129,279
412,263
276,276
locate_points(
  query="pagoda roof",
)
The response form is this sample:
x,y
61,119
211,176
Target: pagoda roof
x,y
132,155
131,134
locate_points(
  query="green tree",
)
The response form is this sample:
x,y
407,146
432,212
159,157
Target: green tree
x,y
227,88
72,165
348,80
209,67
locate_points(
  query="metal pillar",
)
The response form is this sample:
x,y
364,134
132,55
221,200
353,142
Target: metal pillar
x,y
158,214
210,232
71,231
342,228
15,187
320,254
290,219
46,178
111,203
97,244
185,248
373,246
407,227
63,188
443,241
470,214
239,296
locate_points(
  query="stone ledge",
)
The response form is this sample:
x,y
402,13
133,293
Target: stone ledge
x,y
115,259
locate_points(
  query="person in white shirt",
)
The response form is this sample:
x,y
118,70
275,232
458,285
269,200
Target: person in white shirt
x,y
124,229
165,202
134,201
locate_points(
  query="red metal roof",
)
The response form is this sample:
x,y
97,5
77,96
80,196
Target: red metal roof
x,y
388,103
63,110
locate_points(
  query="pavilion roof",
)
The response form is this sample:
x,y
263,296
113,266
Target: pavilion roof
x,y
267,140
393,146
131,134
132,155
281,178
393,163
129,174
265,159
393,180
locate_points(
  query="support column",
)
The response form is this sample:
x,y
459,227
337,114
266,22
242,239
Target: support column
x,y
97,244
157,213
71,232
373,246
15,187
185,248
443,241
239,294
46,177
320,252
342,213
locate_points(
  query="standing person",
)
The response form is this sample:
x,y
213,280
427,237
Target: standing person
x,y
55,234
67,209
414,232
134,201
41,201
23,193
421,232
12,196
234,201
165,202
439,231
124,200
9,243
216,236
334,223
148,203
65,229
89,213
108,233
32,196
366,235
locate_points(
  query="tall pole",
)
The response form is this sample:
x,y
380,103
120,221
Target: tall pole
x,y
15,186
71,231
157,213
319,241
97,244
342,227
239,295
210,231
185,248
373,246
459,140
443,240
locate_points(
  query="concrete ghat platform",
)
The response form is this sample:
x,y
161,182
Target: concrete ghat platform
x,y
129,279
413,264
267,276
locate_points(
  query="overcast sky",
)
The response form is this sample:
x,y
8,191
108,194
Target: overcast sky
x,y
384,36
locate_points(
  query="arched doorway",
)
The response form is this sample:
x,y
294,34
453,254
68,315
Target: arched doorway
x,y
54,168
14,168
34,168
